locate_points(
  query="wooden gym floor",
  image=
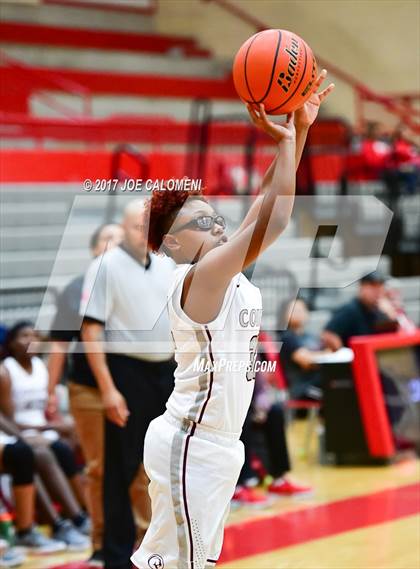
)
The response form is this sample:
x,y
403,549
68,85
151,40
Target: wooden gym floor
x,y
356,518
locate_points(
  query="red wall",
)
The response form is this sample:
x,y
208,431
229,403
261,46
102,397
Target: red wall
x,y
38,165
75,166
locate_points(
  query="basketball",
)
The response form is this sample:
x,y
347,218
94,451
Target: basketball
x,y
276,68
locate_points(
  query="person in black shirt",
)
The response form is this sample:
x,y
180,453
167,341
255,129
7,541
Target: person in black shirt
x,y
299,351
364,315
367,314
85,400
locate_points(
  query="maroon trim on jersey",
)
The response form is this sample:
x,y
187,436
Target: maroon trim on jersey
x,y
211,376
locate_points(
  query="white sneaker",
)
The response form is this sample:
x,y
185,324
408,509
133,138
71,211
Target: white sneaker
x,y
74,540
37,543
11,558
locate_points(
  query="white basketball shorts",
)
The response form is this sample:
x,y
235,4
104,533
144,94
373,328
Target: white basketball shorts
x,y
193,472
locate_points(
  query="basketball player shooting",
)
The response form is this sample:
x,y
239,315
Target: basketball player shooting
x,y
193,455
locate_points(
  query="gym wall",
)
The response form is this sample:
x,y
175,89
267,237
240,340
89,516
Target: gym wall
x,y
376,41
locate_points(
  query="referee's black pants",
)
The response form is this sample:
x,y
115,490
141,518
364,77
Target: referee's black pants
x,y
146,386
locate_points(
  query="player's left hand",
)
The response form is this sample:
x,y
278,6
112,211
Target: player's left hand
x,y
280,132
306,115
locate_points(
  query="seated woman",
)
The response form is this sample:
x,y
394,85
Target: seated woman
x,y
47,474
23,398
299,351
17,460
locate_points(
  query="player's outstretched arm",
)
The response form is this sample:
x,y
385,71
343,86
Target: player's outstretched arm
x,y
212,273
276,206
305,116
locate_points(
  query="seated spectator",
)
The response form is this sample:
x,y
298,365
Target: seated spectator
x,y
363,315
375,150
23,397
369,313
49,475
265,415
403,164
17,460
391,158
299,352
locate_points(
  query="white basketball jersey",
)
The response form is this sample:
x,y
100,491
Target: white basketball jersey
x,y
214,380
29,391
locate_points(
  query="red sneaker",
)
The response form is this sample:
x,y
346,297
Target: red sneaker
x,y
247,495
287,488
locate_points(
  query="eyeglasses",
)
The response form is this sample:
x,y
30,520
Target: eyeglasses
x,y
203,223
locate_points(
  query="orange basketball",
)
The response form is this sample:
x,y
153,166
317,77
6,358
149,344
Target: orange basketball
x,y
276,68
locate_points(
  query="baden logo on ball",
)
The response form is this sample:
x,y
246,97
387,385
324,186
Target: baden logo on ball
x,y
291,68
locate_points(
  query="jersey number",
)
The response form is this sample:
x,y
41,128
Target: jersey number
x,y
250,374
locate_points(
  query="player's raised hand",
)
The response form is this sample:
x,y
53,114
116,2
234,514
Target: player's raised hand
x,y
279,132
306,115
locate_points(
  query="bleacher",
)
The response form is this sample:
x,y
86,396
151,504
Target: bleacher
x,y
135,66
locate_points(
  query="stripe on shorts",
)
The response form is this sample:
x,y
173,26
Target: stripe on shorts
x,y
184,488
175,467
179,455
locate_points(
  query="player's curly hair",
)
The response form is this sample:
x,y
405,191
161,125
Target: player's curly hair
x,y
162,209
